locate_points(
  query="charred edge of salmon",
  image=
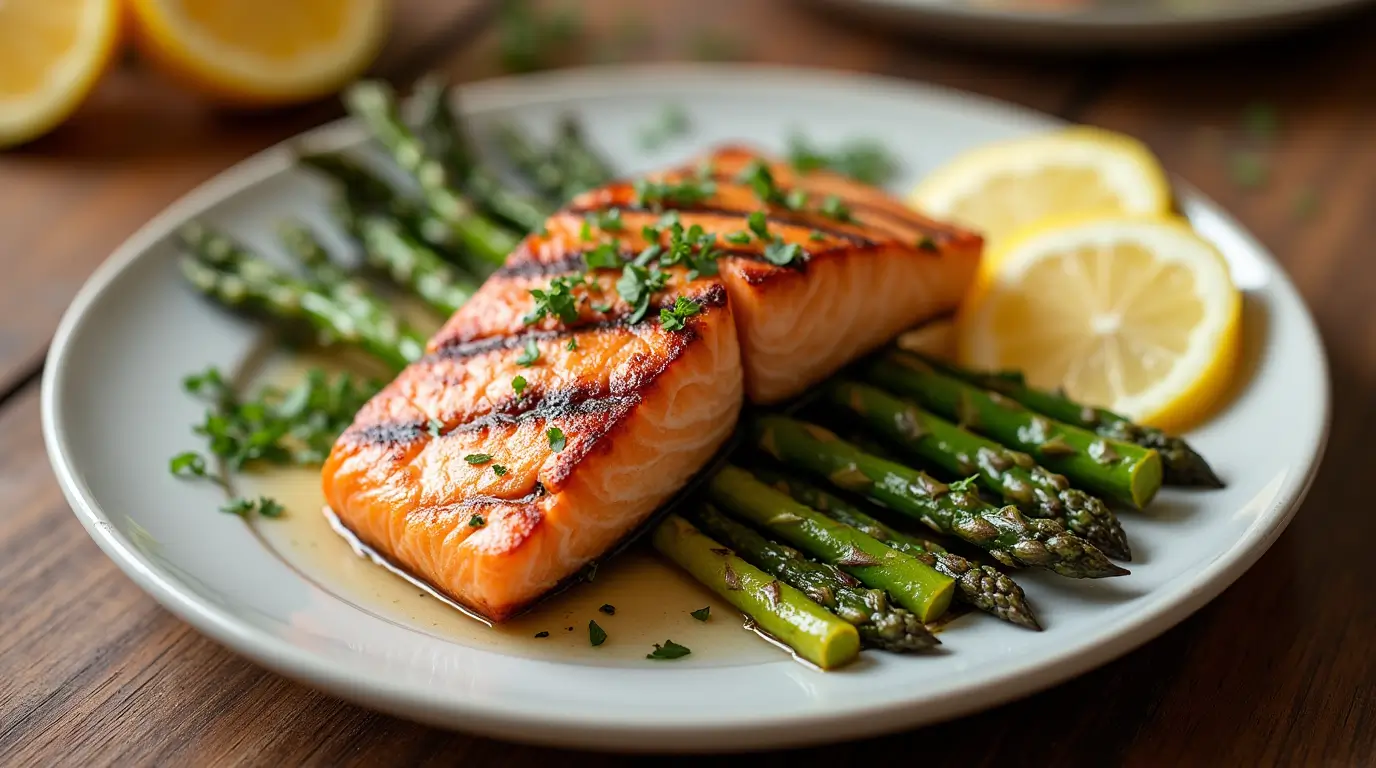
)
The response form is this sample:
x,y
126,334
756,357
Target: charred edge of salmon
x,y
587,572
524,263
772,215
456,347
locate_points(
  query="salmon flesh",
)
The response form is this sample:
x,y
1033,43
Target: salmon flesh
x,y
524,445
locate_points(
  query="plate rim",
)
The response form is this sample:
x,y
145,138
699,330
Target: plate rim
x,y
502,719
1111,19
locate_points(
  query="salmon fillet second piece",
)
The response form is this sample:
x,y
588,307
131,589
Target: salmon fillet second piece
x,y
556,411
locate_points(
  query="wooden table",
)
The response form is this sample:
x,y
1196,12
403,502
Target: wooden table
x,y
1278,670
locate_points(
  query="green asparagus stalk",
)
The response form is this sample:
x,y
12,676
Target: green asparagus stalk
x,y
582,167
1013,475
447,143
1122,471
374,104
912,584
532,162
881,625
228,273
955,509
790,616
406,261
980,586
303,244
1181,465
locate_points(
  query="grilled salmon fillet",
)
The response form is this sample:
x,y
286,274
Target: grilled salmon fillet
x,y
553,413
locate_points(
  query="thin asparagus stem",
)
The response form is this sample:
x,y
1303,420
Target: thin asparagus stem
x,y
532,162
956,509
374,104
582,167
1122,471
881,625
405,260
789,615
912,584
983,587
1012,475
233,276
1181,465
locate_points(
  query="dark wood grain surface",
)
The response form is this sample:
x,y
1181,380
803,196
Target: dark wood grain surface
x,y
1277,671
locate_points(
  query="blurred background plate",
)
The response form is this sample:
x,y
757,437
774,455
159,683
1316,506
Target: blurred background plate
x,y
1088,25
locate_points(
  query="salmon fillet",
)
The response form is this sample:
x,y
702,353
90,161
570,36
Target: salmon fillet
x,y
525,443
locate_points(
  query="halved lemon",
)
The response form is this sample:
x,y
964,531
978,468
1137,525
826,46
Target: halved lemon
x,y
52,52
1135,314
262,52
999,188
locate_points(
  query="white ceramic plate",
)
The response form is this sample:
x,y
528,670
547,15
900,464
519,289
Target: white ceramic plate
x,y
114,413
1094,24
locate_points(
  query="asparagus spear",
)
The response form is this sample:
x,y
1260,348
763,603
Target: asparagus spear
x,y
912,584
374,104
227,272
582,167
445,139
1122,471
956,509
980,586
813,633
1181,465
390,249
1012,475
533,163
881,625
302,243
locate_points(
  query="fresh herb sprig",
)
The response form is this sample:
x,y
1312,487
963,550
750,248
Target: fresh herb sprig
x,y
864,160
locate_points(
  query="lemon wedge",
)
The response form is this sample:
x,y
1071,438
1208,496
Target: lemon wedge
x,y
1135,314
262,52
52,52
999,188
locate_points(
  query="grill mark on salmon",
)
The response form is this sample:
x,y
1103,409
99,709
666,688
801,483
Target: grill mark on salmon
x,y
772,215
454,348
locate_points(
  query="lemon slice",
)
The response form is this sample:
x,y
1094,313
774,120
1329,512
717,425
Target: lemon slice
x,y
1002,187
1135,314
262,51
52,52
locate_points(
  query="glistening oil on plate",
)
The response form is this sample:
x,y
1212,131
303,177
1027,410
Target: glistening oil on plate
x,y
652,602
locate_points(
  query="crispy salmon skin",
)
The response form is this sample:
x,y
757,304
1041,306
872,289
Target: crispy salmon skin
x,y
605,363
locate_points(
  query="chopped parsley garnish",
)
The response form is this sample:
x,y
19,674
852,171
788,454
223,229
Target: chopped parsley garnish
x,y
671,123
796,199
737,238
670,650
295,426
782,254
668,219
651,233
530,354
684,308
572,345
816,235
608,609
604,256
926,243
498,470
478,458
557,300
651,253
963,486
701,614
759,224
756,174
637,285
685,192
585,231
261,506
556,439
603,307
542,634
518,385
608,220
832,207
864,160
596,634
434,427
188,464
476,521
